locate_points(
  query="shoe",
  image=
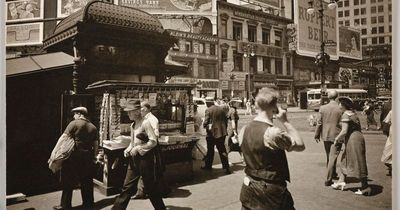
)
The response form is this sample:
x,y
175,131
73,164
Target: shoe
x,y
140,196
338,185
227,171
367,191
60,208
206,168
328,183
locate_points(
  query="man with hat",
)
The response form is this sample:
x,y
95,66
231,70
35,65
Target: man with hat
x,y
79,167
141,161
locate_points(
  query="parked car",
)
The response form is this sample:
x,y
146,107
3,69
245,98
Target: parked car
x,y
201,106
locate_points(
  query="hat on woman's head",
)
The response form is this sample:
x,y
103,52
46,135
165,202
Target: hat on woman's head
x,y
132,105
346,102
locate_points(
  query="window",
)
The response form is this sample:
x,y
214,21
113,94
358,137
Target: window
x,y
390,28
374,40
356,2
390,18
340,13
380,0
267,65
278,38
373,10
278,66
364,41
346,3
202,48
288,70
363,11
363,1
381,29
380,19
253,64
224,55
356,22
373,30
223,31
390,7
381,40
373,1
188,46
237,31
346,23
341,23
363,21
347,13
340,4
373,20
363,31
380,8
356,11
252,33
265,36
237,61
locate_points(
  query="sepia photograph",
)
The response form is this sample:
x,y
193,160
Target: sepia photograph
x,y
198,104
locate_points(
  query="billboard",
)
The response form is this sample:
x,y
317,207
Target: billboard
x,y
24,10
308,29
194,7
24,34
350,43
67,7
272,3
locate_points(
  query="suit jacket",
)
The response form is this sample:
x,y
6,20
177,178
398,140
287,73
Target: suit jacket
x,y
216,117
328,122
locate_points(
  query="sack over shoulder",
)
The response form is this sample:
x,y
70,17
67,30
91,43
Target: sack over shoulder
x,y
62,151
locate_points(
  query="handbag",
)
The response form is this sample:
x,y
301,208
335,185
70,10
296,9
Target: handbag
x,y
63,149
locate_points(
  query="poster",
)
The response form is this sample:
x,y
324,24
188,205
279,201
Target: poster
x,y
350,43
168,6
67,7
24,34
24,10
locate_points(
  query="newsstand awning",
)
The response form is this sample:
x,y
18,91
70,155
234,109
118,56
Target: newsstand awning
x,y
37,63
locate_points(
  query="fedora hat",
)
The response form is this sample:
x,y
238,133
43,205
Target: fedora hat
x,y
80,109
132,105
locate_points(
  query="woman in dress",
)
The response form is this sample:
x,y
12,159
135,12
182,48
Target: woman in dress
x,y
388,150
353,162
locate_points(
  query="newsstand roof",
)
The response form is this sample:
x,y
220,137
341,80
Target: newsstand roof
x,y
105,14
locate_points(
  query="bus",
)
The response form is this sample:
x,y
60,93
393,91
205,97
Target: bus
x,y
359,96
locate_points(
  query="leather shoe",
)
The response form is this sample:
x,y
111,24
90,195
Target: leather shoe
x,y
328,183
206,168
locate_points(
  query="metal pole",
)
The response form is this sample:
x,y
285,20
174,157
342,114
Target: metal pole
x,y
249,79
321,34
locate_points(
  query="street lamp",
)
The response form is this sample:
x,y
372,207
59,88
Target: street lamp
x,y
322,58
248,51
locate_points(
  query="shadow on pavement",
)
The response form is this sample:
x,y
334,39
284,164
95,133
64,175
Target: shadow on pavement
x,y
179,193
101,204
169,207
375,189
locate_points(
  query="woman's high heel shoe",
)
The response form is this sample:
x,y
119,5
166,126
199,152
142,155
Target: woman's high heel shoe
x,y
338,185
367,191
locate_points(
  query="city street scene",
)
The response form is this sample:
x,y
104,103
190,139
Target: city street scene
x,y
189,104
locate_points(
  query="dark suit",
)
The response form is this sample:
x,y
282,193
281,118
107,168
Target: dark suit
x,y
215,123
327,129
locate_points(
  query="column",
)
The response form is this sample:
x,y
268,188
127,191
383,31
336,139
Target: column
x,y
195,68
245,32
273,71
284,66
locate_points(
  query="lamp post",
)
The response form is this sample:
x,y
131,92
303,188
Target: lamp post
x,y
248,51
322,58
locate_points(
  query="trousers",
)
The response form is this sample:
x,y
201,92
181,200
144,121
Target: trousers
x,y
220,143
332,152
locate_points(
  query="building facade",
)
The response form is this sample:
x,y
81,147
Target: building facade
x,y
253,43
374,19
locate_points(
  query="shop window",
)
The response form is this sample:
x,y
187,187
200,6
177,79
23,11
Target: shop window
x,y
381,40
267,65
265,36
253,64
363,11
364,31
188,46
374,40
373,20
252,33
381,29
380,19
278,38
238,61
380,8
212,49
237,31
347,13
373,10
278,66
356,11
223,29
340,13
364,41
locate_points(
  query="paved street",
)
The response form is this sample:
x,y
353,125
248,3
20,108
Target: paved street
x,y
215,190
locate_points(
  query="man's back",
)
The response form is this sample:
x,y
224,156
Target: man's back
x,y
216,116
327,127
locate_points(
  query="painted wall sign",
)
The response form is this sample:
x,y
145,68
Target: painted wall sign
x,y
24,34
350,43
308,29
24,10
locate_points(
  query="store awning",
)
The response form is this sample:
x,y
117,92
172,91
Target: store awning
x,y
38,63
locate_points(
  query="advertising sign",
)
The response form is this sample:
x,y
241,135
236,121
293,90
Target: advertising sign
x,y
170,6
350,43
67,7
24,10
24,34
308,29
273,3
